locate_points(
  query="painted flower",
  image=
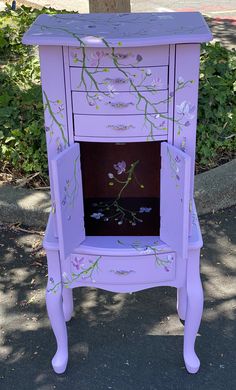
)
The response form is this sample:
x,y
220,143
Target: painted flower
x,y
120,167
99,97
110,175
78,263
96,56
148,72
145,210
97,215
186,109
59,145
180,80
111,90
91,103
156,82
139,58
63,202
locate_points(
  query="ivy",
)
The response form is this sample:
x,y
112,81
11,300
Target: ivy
x,y
22,135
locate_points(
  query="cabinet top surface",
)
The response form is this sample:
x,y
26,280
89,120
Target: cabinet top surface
x,y
133,29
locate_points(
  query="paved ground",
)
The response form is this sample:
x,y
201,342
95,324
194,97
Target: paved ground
x,y
118,342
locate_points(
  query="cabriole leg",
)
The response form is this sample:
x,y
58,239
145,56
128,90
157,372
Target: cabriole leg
x,y
55,311
67,303
194,311
182,302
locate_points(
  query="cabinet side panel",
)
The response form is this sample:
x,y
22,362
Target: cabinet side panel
x,y
55,114
186,101
174,198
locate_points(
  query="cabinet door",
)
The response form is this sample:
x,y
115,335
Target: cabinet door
x,y
69,199
175,195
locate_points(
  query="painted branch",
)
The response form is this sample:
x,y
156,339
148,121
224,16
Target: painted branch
x,y
107,6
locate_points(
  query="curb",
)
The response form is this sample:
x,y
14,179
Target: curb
x,y
214,190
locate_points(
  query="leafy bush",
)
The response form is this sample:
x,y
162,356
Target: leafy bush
x,y
22,136
216,130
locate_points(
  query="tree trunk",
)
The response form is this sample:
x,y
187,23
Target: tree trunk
x,y
104,6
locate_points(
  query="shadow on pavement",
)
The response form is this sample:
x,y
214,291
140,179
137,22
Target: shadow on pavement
x,y
117,341
224,30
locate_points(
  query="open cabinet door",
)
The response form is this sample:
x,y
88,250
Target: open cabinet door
x,y
174,198
69,199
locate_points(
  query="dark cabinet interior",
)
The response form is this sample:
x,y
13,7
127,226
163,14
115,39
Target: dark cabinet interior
x,y
121,188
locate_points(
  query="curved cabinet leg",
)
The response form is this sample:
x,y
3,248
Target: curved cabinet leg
x,y
67,303
55,311
193,312
182,302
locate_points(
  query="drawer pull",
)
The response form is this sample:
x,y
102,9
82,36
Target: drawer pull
x,y
120,104
120,127
117,80
122,272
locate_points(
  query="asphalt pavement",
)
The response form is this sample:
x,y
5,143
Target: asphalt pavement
x,y
117,341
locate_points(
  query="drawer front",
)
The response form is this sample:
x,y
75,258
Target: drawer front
x,y
119,126
138,269
143,78
125,57
95,103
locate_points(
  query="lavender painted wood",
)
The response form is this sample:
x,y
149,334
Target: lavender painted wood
x,y
119,126
55,311
69,199
123,103
138,269
145,78
174,198
68,94
186,101
194,310
55,113
98,74
135,29
171,82
126,56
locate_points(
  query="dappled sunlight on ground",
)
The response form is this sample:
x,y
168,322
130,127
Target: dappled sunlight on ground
x,y
117,341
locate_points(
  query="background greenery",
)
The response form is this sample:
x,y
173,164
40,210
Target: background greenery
x,y
22,136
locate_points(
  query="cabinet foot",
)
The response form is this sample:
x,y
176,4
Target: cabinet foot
x,y
192,363
59,361
55,311
193,311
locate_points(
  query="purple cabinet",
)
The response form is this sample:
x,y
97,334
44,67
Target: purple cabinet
x,y
120,104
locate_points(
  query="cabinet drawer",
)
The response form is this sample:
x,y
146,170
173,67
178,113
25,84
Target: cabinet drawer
x,y
124,103
121,56
138,269
119,126
141,78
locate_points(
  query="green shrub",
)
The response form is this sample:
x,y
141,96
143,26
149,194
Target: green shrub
x,y
216,132
22,136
